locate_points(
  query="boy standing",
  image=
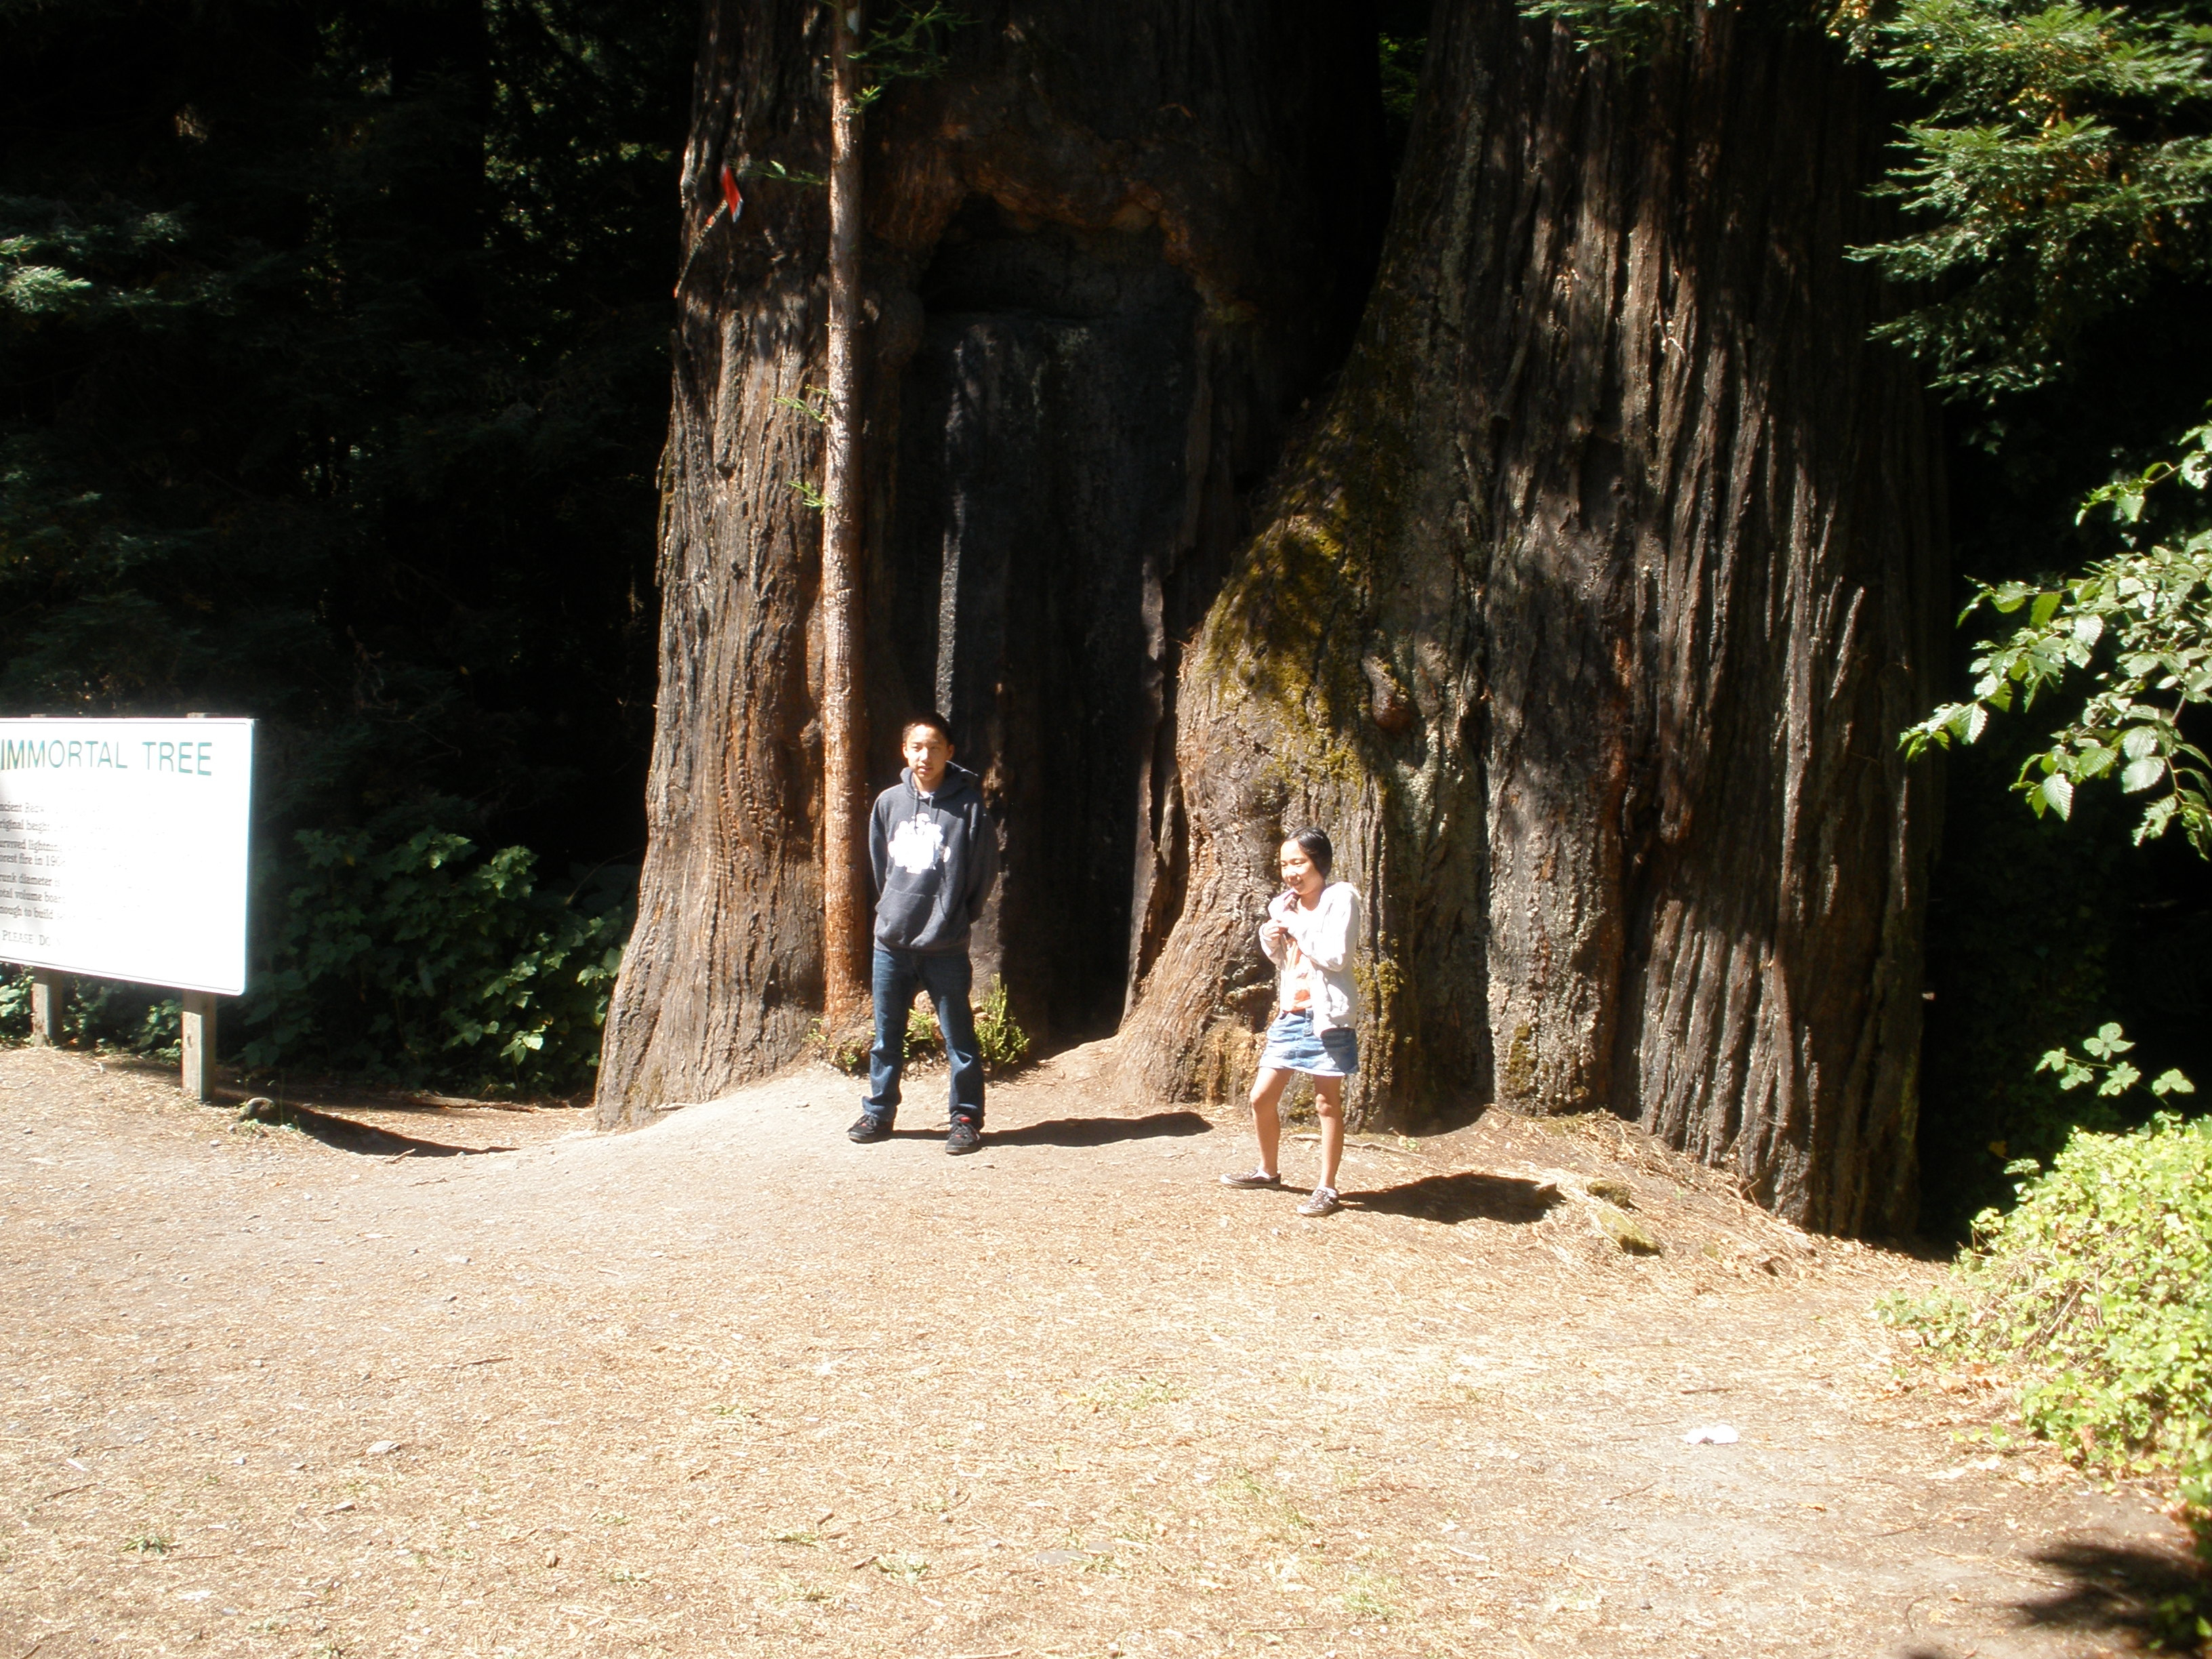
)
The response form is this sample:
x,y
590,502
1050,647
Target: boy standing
x,y
935,853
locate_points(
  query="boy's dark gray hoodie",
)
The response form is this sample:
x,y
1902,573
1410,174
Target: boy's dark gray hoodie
x,y
935,858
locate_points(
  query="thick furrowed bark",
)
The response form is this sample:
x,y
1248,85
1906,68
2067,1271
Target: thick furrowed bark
x,y
1616,500
726,958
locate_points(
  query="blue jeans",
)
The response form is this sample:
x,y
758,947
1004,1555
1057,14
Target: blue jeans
x,y
946,976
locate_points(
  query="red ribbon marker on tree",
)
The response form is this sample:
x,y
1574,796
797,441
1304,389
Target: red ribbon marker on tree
x,y
734,203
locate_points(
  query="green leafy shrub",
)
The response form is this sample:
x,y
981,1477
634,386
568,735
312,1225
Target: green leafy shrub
x,y
1001,1042
2151,607
99,1013
424,962
2119,661
2103,1062
848,1052
923,1041
2095,1288
15,1004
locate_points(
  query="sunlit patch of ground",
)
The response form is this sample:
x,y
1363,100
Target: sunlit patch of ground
x,y
735,1385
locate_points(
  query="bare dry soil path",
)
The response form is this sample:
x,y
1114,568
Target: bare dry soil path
x,y
733,1385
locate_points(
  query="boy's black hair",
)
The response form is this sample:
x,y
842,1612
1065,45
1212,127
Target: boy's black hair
x,y
935,722
1314,844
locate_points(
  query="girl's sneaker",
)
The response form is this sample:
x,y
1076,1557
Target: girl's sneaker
x,y
1252,1178
1321,1201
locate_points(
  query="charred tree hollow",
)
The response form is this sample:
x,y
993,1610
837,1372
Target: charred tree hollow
x,y
1043,504
1107,254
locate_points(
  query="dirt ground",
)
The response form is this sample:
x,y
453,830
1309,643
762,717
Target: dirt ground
x,y
448,1381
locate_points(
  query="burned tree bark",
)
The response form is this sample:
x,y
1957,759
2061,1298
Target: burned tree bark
x,y
1206,165
1586,619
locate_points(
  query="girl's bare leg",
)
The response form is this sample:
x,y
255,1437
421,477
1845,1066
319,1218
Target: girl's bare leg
x,y
1266,1090
1329,1102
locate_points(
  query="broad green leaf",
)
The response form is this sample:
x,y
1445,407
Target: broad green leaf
x,y
2172,1082
2046,607
2139,742
2059,793
2140,775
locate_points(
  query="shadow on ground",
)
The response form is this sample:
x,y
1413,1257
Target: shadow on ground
x,y
346,1136
2145,1592
344,1133
1076,1131
1098,1131
1470,1195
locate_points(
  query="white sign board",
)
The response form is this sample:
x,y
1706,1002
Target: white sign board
x,y
123,847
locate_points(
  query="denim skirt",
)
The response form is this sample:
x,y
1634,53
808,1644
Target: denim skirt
x,y
1293,1045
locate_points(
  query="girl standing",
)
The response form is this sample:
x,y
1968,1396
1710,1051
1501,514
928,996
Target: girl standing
x,y
1308,934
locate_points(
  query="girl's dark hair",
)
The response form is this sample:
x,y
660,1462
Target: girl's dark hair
x,y
1315,845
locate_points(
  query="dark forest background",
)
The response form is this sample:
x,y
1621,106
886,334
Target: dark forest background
x,y
333,379
333,374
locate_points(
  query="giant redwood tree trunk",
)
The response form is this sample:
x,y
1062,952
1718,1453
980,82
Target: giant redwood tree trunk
x,y
1106,257
1587,619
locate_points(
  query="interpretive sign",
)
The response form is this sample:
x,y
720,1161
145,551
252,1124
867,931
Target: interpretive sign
x,y
123,849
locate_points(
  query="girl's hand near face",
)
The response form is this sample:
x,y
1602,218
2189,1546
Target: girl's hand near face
x,y
1303,881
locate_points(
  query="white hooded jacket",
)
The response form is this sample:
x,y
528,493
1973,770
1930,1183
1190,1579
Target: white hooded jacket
x,y
1324,938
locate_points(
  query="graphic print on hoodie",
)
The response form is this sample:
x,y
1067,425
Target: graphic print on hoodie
x,y
935,859
916,845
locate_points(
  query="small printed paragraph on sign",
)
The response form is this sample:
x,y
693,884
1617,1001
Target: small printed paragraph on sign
x,y
123,849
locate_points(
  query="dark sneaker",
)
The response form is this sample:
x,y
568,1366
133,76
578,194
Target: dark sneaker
x,y
965,1137
870,1128
1320,1201
1252,1178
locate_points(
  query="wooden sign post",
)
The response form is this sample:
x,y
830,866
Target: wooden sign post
x,y
46,1008
198,1045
